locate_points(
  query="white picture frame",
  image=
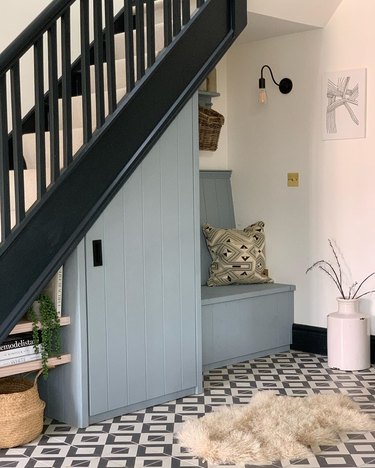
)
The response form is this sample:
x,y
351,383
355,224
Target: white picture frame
x,y
344,104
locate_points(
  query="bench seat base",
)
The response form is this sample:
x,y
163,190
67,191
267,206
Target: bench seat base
x,y
241,322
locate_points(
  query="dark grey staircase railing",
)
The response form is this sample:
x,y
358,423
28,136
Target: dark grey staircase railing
x,y
84,183
32,38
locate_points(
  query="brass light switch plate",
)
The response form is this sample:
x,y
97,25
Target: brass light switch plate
x,y
293,179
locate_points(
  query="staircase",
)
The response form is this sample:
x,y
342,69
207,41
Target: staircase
x,y
64,161
29,139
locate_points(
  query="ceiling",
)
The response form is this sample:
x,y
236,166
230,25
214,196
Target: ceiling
x,y
272,18
263,27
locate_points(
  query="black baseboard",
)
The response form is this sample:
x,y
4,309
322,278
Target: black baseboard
x,y
309,339
314,340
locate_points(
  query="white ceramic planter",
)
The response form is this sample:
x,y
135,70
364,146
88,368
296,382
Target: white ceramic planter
x,y
348,337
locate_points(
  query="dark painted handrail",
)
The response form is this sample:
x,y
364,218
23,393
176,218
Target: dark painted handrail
x,y
31,34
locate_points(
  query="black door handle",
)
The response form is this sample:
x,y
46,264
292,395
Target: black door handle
x,y
97,253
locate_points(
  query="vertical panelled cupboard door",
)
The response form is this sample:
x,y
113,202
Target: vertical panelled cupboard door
x,y
106,312
114,286
97,343
171,256
153,275
142,301
134,258
187,239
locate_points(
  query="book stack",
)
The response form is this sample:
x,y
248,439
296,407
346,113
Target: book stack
x,y
54,290
17,349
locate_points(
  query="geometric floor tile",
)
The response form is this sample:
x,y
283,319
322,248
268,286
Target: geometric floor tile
x,y
148,438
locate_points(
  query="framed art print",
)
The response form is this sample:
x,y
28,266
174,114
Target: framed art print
x,y
344,104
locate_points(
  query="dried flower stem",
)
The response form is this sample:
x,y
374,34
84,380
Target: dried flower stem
x,y
359,287
337,260
333,276
336,275
351,289
364,294
336,281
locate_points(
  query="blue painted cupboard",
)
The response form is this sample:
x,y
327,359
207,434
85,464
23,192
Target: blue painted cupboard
x,y
135,331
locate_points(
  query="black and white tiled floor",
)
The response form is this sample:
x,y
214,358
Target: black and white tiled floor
x,y
146,438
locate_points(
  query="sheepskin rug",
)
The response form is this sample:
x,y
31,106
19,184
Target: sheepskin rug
x,y
272,427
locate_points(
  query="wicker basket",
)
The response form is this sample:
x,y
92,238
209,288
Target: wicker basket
x,y
21,411
210,123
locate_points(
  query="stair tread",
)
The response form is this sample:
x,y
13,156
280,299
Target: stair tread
x,y
30,190
77,118
29,140
158,5
120,41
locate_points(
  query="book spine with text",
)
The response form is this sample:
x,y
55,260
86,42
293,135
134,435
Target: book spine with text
x,y
20,360
17,341
54,290
17,352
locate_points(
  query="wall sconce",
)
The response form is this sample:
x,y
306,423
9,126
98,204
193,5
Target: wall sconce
x,y
285,85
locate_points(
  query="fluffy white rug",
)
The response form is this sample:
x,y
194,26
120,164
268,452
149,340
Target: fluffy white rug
x,y
272,427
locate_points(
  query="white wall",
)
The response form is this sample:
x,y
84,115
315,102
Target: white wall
x,y
313,12
15,16
337,191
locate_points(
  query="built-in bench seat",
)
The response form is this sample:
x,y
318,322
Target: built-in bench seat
x,y
239,322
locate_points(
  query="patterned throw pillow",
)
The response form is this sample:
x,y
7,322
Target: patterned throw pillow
x,y
237,256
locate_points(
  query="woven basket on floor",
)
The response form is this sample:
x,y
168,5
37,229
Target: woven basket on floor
x,y
21,411
210,123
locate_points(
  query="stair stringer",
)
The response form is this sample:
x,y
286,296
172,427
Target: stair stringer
x,y
53,227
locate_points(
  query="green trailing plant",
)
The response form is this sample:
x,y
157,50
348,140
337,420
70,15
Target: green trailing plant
x,y
335,273
47,341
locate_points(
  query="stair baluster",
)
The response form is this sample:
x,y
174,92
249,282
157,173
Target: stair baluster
x,y
140,37
150,14
129,45
85,72
53,104
110,56
4,162
66,88
167,22
39,118
176,17
185,11
17,142
99,58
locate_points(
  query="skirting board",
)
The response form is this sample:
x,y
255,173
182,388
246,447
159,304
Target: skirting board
x,y
247,357
143,404
314,340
